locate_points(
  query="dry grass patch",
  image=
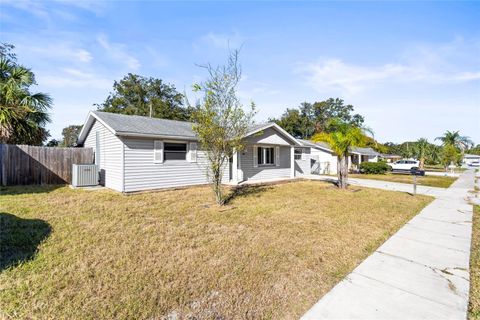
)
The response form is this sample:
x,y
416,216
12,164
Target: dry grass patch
x,y
431,181
146,256
474,303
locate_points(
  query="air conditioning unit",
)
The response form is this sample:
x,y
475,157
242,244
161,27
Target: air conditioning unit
x,y
84,175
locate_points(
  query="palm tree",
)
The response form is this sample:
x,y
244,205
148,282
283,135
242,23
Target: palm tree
x,y
434,154
23,114
341,136
453,138
422,148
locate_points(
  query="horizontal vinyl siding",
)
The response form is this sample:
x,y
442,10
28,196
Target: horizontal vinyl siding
x,y
325,156
268,136
267,172
111,156
141,173
303,166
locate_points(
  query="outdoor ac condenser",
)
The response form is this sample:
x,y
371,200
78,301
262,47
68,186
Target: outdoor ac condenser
x,y
84,175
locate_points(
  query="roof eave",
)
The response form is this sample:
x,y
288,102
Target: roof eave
x,y
149,135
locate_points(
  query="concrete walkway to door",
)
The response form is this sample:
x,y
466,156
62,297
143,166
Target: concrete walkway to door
x,y
421,272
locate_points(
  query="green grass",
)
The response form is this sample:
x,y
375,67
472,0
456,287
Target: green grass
x,y
270,254
431,181
474,303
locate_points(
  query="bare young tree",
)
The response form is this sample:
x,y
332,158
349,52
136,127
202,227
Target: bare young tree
x,y
220,120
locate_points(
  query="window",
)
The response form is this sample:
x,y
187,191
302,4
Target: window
x,y
298,154
174,151
266,156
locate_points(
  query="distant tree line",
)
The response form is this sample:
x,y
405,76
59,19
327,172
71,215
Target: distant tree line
x,y
453,146
310,118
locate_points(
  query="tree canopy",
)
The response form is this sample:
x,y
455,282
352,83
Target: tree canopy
x,y
23,114
455,139
138,95
474,150
70,135
311,118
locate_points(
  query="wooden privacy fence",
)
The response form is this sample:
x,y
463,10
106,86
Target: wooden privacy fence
x,y
22,165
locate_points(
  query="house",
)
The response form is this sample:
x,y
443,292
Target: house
x,y
136,153
322,158
469,159
359,155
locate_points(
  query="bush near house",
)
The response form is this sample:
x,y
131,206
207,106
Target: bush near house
x,y
374,167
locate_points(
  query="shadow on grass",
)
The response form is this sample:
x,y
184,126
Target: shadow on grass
x,y
19,239
245,191
13,190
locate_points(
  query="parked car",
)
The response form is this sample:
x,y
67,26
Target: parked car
x,y
474,164
404,165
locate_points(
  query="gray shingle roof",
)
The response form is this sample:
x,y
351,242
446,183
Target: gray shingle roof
x,y
132,124
364,151
311,144
257,126
145,125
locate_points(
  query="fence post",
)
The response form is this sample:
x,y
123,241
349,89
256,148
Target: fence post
x,y
3,172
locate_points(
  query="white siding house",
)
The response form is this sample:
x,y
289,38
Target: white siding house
x,y
108,149
137,153
322,159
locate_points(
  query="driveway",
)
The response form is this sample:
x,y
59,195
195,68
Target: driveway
x,y
421,272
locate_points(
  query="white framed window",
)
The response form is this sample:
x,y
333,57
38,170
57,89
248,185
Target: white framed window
x,y
174,151
298,154
266,156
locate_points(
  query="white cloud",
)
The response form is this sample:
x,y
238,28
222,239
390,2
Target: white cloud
x,y
75,78
61,50
221,40
422,64
49,11
118,51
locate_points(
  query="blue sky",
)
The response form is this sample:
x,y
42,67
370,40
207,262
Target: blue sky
x,y
411,68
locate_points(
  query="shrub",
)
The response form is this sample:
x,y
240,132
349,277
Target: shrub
x,y
373,167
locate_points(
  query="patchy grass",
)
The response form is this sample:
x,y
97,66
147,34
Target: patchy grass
x,y
270,254
431,181
441,168
474,303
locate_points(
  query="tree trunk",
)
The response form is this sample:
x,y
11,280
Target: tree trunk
x,y
217,184
342,171
422,163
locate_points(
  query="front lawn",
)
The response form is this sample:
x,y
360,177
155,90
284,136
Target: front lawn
x,y
270,254
431,181
474,304
441,168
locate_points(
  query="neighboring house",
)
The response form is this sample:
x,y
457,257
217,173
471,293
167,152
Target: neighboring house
x,y
471,158
359,155
136,153
322,158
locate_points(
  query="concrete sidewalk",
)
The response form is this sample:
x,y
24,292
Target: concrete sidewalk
x,y
421,272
